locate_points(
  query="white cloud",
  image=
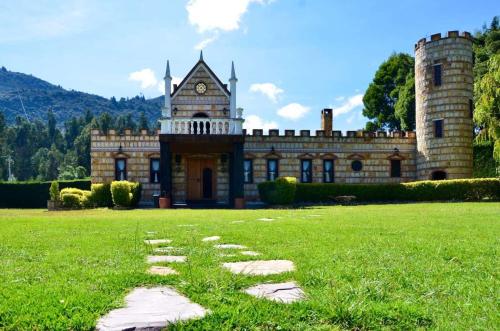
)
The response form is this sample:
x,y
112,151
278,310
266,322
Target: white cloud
x,y
340,98
205,42
223,15
293,111
146,77
255,122
161,84
347,106
268,89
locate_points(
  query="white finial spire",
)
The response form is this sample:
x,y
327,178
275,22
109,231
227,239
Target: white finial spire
x,y
233,74
167,71
201,55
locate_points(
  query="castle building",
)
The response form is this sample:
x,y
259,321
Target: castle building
x,y
202,154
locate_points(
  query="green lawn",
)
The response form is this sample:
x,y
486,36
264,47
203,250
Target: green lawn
x,y
362,267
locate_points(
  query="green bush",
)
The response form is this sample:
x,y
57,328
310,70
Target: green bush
x,y
54,191
136,190
69,195
71,200
120,191
446,190
279,192
101,195
33,194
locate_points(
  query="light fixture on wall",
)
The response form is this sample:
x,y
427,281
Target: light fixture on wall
x,y
120,149
272,150
396,150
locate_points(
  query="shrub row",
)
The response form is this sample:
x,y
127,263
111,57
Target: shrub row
x,y
118,193
446,190
33,194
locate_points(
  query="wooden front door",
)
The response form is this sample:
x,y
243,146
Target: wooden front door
x,y
201,179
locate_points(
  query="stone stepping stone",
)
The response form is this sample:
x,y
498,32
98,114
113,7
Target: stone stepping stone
x,y
151,309
237,222
230,246
250,253
260,267
166,249
162,271
213,238
186,225
283,292
166,259
265,219
157,241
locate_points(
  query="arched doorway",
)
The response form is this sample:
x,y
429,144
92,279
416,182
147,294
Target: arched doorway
x,y
201,179
439,175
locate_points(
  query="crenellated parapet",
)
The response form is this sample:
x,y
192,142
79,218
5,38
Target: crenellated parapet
x,y
322,135
443,39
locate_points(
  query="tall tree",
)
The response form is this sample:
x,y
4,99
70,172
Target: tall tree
x,y
51,125
143,121
383,92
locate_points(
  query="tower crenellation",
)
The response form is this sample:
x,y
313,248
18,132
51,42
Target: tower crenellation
x,y
443,96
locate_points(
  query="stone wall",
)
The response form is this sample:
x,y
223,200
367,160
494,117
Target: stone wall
x,y
138,149
373,150
450,101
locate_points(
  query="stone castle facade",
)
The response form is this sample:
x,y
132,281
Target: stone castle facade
x,y
202,154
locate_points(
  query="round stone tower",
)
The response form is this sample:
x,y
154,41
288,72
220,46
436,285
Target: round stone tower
x,y
444,106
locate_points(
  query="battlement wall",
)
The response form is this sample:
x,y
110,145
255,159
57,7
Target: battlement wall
x,y
437,37
334,134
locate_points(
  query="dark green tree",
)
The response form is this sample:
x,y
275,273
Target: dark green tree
x,y
405,105
104,122
51,126
383,92
143,121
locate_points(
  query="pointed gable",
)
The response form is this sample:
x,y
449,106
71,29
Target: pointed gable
x,y
200,69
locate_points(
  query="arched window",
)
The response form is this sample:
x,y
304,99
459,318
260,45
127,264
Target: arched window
x,y
439,175
200,115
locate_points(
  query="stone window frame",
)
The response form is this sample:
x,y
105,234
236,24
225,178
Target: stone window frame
x,y
125,169
439,81
309,179
329,157
332,176
268,160
396,156
152,172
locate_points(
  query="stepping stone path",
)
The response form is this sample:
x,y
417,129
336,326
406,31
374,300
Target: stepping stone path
x,y
260,267
265,219
283,292
166,249
213,238
186,225
157,241
162,271
165,258
237,222
250,253
151,309
230,246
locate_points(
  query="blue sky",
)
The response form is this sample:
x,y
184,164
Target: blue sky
x,y
292,57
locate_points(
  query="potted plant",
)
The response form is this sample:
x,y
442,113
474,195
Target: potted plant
x,y
164,200
54,202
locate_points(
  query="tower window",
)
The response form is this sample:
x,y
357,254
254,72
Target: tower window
x,y
272,169
120,169
471,108
154,170
248,171
395,168
328,172
439,175
356,165
306,171
438,128
437,74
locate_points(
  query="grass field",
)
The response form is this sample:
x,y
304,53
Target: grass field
x,y
428,266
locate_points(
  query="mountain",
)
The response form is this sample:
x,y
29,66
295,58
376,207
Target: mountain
x,y
37,96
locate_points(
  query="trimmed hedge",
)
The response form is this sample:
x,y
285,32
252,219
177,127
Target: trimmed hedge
x,y
282,191
445,190
101,195
75,198
33,194
125,193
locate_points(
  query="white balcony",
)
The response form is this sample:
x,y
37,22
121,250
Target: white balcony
x,y
201,125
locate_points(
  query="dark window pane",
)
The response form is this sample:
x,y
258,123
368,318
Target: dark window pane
x,y
120,169
356,165
437,75
154,170
438,128
471,108
328,171
272,169
439,175
306,171
395,168
248,171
